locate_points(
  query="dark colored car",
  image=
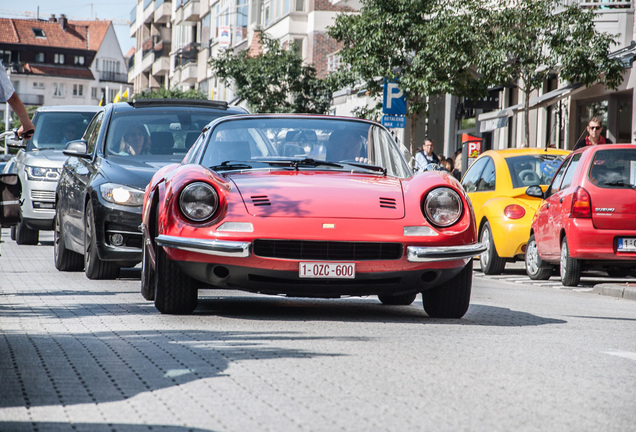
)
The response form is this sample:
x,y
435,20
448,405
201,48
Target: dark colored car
x,y
100,193
306,206
587,218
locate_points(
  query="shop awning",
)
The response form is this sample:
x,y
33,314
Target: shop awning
x,y
491,120
554,96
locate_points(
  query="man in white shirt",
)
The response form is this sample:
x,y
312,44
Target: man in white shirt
x,y
8,94
425,157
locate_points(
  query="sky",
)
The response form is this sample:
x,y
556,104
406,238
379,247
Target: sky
x,y
115,10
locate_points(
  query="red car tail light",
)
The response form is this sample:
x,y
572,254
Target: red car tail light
x,y
514,211
581,204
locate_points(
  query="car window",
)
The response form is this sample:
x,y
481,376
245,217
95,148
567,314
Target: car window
x,y
473,175
487,180
92,132
284,138
53,129
569,172
533,169
614,168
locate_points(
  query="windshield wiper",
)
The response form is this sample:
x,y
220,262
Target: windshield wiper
x,y
229,165
314,163
620,183
375,168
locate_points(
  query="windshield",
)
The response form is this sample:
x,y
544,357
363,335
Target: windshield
x,y
322,143
536,169
53,129
614,168
166,131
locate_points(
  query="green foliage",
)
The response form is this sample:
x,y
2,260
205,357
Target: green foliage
x,y
173,93
274,81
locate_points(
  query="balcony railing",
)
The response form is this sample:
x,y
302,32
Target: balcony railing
x,y
187,54
113,76
605,4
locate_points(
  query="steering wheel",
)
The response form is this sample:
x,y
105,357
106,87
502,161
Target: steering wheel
x,y
529,177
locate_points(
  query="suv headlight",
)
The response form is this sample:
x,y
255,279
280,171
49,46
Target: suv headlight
x,y
42,174
120,194
443,207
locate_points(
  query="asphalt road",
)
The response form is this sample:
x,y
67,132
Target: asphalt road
x,y
81,355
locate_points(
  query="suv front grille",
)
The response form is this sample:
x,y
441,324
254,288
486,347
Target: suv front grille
x,y
327,250
43,195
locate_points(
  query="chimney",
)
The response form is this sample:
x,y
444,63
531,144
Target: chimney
x,y
52,18
63,21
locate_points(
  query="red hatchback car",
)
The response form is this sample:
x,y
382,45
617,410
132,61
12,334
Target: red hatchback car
x,y
588,216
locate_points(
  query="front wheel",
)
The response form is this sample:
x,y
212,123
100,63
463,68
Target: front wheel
x,y
174,293
65,260
570,267
490,261
94,267
25,235
452,299
397,300
536,268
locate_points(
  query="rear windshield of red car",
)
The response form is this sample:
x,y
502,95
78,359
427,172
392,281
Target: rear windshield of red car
x,y
614,168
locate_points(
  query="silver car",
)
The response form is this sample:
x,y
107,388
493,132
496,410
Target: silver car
x,y
39,164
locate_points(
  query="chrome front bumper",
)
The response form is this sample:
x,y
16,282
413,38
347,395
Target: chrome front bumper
x,y
242,249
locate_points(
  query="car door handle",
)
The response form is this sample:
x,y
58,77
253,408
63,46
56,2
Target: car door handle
x,y
547,205
561,200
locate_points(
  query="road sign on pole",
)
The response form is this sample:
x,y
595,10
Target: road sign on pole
x,y
394,100
393,121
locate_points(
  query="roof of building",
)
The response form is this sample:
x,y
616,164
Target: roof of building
x,y
83,35
61,71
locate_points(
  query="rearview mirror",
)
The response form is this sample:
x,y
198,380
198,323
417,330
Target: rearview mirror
x,y
76,148
535,191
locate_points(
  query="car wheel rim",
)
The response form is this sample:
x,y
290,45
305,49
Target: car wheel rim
x,y
531,262
485,239
564,260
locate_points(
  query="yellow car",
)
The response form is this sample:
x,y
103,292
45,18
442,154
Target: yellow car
x,y
496,184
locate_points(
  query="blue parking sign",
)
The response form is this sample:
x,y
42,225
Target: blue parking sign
x,y
394,100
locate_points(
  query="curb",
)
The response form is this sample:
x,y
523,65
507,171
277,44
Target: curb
x,y
626,290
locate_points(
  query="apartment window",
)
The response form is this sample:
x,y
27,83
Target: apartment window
x,y
39,33
298,47
39,57
58,89
58,59
333,62
38,85
300,5
79,60
78,90
94,91
5,57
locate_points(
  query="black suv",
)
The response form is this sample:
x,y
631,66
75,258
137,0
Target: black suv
x,y
101,189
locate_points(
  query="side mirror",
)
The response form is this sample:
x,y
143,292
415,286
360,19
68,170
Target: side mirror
x,y
76,148
535,191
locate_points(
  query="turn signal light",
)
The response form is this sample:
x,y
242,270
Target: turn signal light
x,y
514,211
581,204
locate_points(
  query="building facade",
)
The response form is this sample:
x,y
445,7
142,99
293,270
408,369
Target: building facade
x,y
62,62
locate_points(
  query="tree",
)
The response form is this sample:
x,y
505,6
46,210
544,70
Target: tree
x,y
428,45
523,43
275,80
174,93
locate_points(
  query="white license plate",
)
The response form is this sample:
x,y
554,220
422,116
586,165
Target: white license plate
x,y
627,244
327,270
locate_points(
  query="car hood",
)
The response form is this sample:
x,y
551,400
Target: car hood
x,y
132,171
45,158
320,194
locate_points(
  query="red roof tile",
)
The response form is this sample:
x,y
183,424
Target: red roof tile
x,y
86,35
67,72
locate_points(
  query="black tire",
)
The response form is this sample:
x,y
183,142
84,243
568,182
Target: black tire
x,y
397,300
25,235
536,268
570,268
452,299
147,275
174,291
94,267
489,260
65,260
13,230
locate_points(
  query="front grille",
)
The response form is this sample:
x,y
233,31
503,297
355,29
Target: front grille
x,y
43,195
327,250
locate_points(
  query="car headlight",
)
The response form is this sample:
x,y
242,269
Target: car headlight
x,y
198,201
42,174
120,194
443,207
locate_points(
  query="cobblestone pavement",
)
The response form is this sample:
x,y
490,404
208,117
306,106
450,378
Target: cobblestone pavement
x,y
81,355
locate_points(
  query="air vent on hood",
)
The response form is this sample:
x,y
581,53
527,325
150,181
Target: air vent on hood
x,y
260,200
388,203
